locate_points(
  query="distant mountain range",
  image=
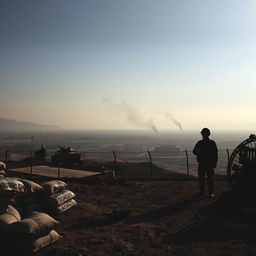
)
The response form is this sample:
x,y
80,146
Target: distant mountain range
x,y
9,125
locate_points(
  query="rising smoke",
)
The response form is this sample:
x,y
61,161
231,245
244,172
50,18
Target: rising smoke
x,y
173,120
132,114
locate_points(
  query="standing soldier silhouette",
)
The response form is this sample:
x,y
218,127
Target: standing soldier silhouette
x,y
207,157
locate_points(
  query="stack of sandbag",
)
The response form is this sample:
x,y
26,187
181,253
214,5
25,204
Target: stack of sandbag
x,y
57,197
20,225
22,194
33,233
30,200
9,187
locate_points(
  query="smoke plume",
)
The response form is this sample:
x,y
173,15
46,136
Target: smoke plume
x,y
172,119
132,114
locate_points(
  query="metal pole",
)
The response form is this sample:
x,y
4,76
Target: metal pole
x,y
114,167
150,164
6,158
58,172
186,152
31,155
228,154
31,162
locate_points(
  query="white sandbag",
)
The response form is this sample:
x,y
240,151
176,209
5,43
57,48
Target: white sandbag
x,y
54,186
38,224
35,245
2,173
12,184
64,207
31,186
8,216
59,198
45,241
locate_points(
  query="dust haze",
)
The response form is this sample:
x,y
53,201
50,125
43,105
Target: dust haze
x,y
132,115
171,118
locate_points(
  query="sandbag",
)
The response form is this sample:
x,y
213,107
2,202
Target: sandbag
x,y
27,198
2,173
64,207
10,210
54,186
31,186
20,210
27,209
7,197
45,241
2,166
38,224
8,216
35,245
59,198
12,184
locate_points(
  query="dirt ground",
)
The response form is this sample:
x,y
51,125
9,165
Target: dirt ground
x,y
154,218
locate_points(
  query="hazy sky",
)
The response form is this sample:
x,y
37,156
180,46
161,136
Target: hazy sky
x,y
99,64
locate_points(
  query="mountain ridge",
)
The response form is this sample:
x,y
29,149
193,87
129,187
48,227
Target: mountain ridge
x,y
10,125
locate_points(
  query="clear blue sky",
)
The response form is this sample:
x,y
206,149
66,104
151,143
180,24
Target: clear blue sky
x,y
196,59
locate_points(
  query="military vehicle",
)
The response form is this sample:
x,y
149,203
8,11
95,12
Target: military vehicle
x,y
66,156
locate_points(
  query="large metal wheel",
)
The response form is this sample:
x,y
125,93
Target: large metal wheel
x,y
241,170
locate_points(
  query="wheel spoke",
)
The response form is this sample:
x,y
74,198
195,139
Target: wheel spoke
x,y
242,158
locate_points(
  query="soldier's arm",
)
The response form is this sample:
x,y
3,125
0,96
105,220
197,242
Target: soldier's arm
x,y
215,151
196,149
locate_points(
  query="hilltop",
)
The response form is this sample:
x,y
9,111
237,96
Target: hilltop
x,y
137,218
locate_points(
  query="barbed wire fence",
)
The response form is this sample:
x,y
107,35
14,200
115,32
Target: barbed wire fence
x,y
184,163
135,164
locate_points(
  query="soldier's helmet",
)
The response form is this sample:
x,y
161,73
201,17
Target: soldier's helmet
x,y
205,131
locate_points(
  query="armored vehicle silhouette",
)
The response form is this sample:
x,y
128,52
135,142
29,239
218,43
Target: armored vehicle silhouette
x,y
66,156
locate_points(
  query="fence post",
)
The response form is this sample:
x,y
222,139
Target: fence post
x,y
186,152
228,154
6,158
114,167
31,155
150,164
58,171
31,162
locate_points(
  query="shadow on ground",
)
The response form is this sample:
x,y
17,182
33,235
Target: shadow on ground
x,y
164,212
98,221
231,217
124,215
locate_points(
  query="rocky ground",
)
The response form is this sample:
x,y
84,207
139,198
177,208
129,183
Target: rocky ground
x,y
154,218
